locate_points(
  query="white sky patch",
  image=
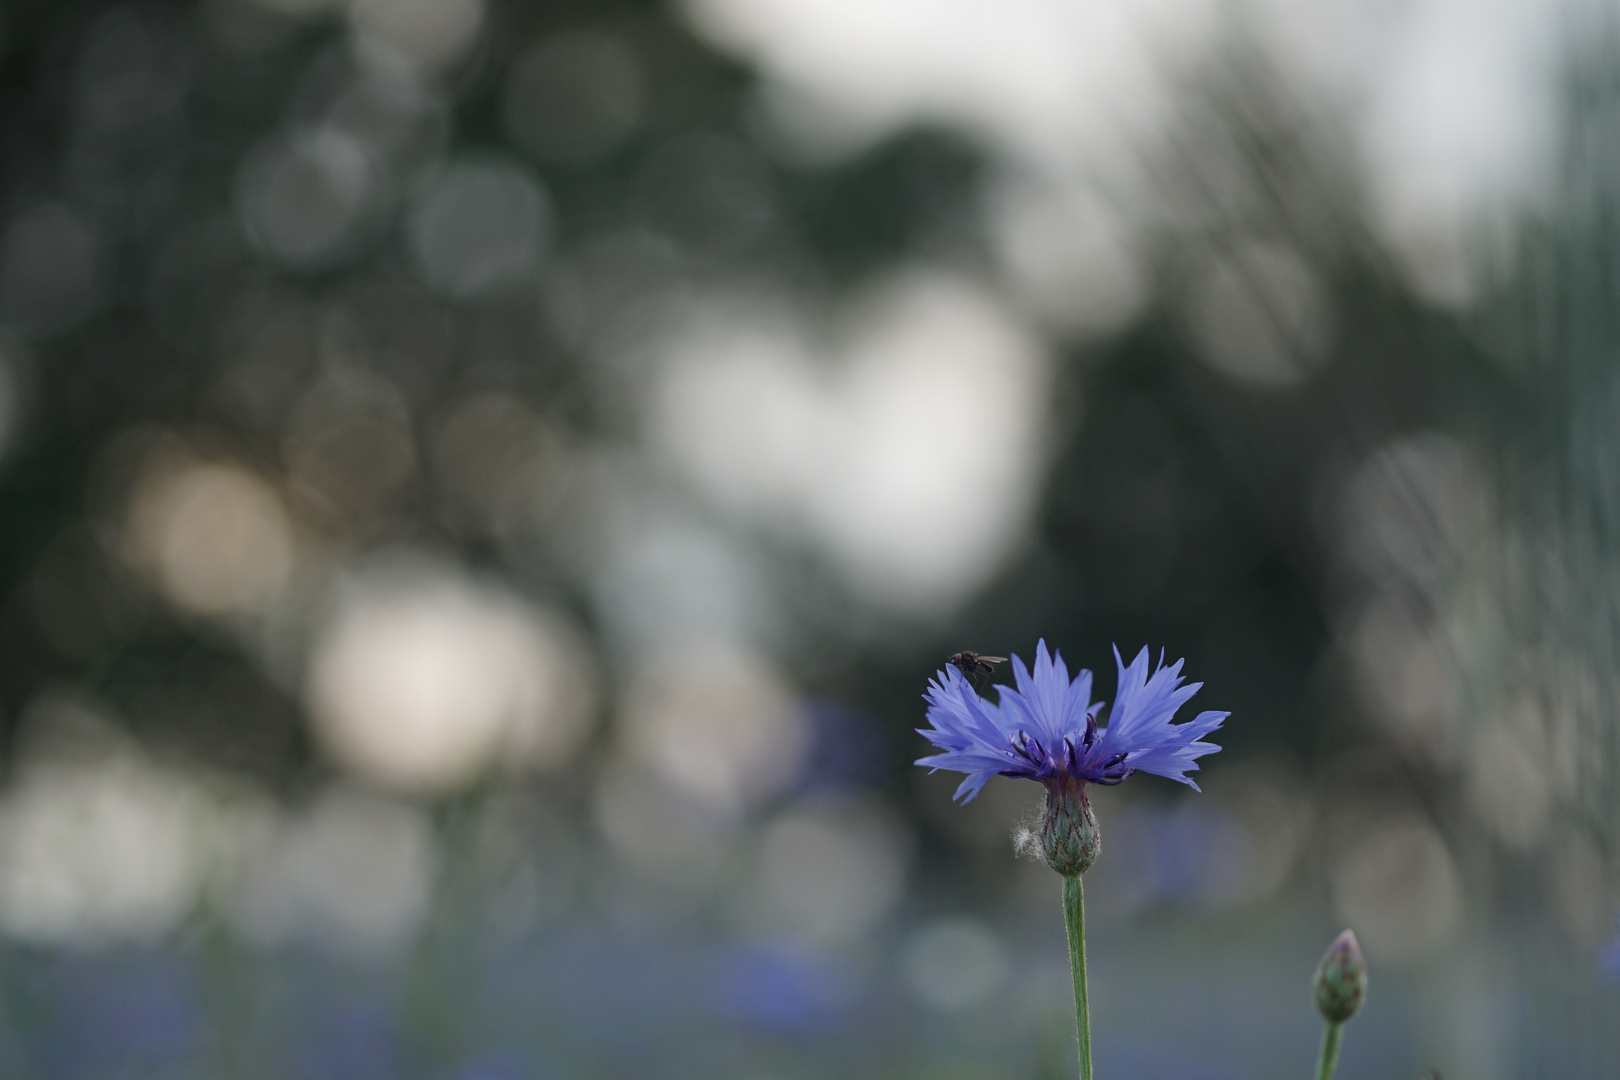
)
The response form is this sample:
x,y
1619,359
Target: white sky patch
x,y
1451,105
911,446
1454,108
1045,79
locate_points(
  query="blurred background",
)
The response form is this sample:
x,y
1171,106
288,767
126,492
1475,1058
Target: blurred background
x,y
484,485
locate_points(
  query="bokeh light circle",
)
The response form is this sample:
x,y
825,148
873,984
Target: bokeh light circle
x,y
479,226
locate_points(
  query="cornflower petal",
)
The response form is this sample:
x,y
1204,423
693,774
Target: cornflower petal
x,y
1044,726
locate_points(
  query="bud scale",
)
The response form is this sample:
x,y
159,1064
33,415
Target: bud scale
x,y
1341,979
1070,841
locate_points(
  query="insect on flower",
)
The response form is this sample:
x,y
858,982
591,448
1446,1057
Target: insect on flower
x,y
1046,728
972,663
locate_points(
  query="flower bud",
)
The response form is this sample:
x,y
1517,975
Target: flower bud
x,y
1341,979
1070,841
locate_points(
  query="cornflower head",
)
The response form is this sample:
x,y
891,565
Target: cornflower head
x,y
1045,728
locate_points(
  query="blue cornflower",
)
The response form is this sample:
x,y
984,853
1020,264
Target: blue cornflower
x,y
1046,729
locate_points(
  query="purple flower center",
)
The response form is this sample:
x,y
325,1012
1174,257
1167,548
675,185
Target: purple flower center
x,y
1068,760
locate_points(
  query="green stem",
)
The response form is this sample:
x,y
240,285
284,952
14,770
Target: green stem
x,y
1074,916
1329,1059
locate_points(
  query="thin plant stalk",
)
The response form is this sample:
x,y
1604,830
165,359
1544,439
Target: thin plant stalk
x,y
1074,917
1329,1059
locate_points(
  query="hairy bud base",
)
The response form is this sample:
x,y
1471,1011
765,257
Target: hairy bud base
x,y
1070,841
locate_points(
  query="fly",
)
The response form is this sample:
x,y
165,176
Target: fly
x,y
973,664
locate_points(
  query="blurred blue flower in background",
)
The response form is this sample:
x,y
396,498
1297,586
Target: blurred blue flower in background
x,y
1046,729
783,991
1609,958
121,1014
505,1065
355,1039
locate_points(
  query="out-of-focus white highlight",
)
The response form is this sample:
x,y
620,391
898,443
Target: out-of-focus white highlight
x,y
912,450
352,872
97,845
1582,883
479,226
1461,131
662,574
214,537
954,963
718,725
391,109
1453,105
1398,886
660,832
1416,520
1510,783
1068,253
1259,315
307,197
1413,510
421,678
831,873
1527,760
1045,79
1406,676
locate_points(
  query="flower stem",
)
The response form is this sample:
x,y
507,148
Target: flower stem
x,y
1329,1059
1074,916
